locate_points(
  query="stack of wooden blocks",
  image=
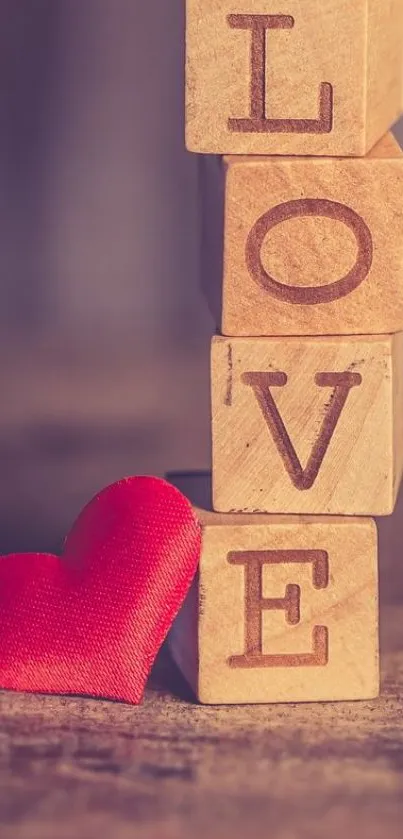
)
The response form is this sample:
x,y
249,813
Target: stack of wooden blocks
x,y
307,375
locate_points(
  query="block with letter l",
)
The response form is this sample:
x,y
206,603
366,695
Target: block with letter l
x,y
292,77
307,425
285,610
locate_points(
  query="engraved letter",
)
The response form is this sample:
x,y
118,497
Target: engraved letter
x,y
308,295
341,383
258,123
255,604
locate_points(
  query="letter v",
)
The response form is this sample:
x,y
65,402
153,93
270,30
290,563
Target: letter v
x,y
341,383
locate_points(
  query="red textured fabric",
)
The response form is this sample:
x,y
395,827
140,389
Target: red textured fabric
x,y
93,621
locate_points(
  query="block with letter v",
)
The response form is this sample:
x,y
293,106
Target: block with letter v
x,y
307,425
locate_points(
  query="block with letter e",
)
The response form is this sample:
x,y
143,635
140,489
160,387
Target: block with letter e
x,y
307,425
285,609
292,77
312,246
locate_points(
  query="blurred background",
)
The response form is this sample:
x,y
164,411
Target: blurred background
x,y
105,333
104,329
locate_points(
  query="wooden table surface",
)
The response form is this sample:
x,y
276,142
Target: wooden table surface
x,y
169,769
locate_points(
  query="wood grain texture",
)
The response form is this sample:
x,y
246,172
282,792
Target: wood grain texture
x,y
314,77
284,610
307,425
170,769
384,56
314,246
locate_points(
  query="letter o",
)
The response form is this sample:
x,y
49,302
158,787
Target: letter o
x,y
309,295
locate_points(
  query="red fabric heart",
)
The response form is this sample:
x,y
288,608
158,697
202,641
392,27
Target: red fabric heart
x,y
93,621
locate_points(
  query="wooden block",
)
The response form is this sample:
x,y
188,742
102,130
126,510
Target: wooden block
x,y
307,425
318,77
285,610
314,246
